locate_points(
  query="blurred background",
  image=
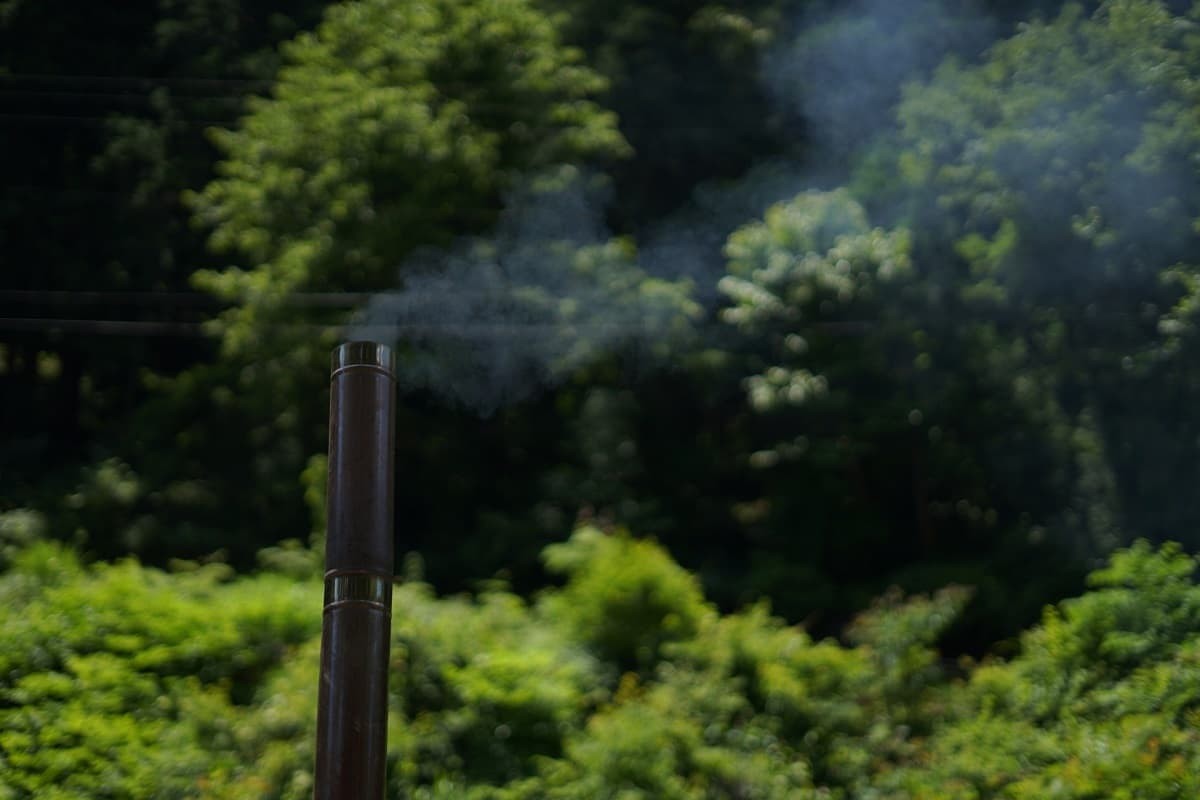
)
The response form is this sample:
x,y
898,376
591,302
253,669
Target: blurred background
x,y
795,303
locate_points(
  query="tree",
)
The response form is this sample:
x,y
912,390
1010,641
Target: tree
x,y
104,119
886,439
393,126
685,79
1052,191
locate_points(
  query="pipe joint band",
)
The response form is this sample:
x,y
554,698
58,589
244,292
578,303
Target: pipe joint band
x,y
358,588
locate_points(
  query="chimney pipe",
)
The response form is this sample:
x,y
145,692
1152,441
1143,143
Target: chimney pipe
x,y
359,546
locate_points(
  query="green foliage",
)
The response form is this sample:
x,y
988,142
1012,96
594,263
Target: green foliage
x,y
480,688
979,357
106,132
1143,609
625,598
843,70
810,264
19,529
689,736
1051,191
1001,369
686,84
1102,699
870,401
1069,130
122,681
392,125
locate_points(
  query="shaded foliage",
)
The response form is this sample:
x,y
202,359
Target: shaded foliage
x,y
904,433
391,126
105,118
1051,193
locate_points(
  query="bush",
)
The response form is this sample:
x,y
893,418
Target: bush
x,y
119,681
123,681
625,598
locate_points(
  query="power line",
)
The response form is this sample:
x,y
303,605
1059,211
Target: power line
x,y
105,327
134,80
158,81
370,330
20,93
171,298
169,117
101,120
383,331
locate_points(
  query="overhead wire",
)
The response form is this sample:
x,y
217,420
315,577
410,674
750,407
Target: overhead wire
x,y
161,80
103,327
11,88
142,96
106,119
158,328
170,298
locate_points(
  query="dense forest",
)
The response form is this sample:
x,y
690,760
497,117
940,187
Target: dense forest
x,y
770,372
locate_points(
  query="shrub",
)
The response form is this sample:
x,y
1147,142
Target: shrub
x,y
625,598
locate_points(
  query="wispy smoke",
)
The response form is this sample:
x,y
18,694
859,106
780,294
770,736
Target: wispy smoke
x,y
495,319
689,245
843,75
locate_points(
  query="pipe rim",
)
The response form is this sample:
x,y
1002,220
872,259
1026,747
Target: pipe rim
x,y
363,354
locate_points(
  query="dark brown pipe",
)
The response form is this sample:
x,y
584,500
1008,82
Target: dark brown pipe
x,y
359,546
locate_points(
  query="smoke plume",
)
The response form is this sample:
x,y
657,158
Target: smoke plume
x,y
495,319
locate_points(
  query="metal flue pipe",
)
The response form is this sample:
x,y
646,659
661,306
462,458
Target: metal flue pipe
x,y
359,547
